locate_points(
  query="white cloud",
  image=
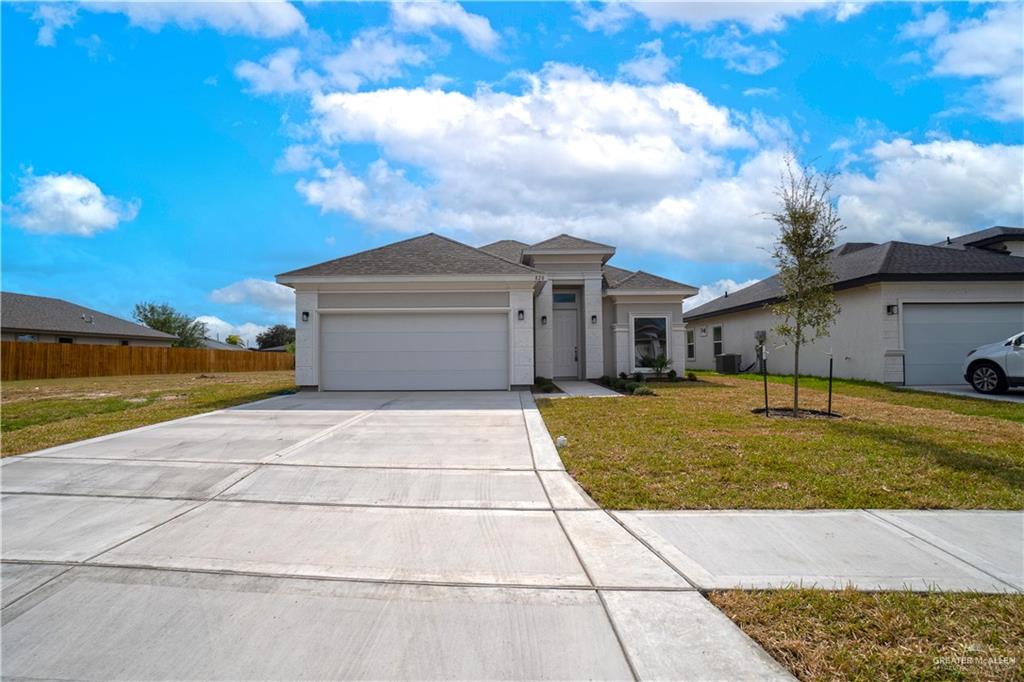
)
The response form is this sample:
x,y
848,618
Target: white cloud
x,y
437,81
372,56
761,92
758,16
924,192
711,291
262,293
420,17
336,190
67,204
609,18
740,56
217,328
650,64
277,73
51,18
263,19
990,48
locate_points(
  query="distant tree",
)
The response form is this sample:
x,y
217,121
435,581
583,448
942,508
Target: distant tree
x,y
234,340
808,225
164,318
278,335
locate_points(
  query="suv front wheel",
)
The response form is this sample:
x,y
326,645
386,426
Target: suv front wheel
x,y
988,378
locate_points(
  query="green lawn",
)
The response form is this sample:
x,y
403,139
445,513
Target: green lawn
x,y
41,414
697,445
851,635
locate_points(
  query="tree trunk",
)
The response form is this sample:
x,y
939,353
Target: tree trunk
x,y
796,380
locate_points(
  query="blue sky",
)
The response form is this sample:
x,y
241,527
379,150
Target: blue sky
x,y
187,153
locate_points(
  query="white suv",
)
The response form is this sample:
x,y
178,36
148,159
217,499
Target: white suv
x,y
994,367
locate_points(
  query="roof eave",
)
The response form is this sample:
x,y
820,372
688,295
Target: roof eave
x,y
682,293
290,280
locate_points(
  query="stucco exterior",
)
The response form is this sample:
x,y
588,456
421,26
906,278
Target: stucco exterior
x,y
867,338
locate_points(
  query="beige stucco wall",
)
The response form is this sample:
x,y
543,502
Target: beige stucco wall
x,y
621,357
855,340
867,342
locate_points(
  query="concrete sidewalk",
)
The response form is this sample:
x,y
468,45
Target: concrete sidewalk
x,y
340,536
583,389
975,551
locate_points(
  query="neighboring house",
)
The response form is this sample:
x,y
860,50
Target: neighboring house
x,y
273,349
433,313
217,344
910,312
52,320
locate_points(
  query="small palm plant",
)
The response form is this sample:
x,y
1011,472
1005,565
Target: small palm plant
x,y
659,364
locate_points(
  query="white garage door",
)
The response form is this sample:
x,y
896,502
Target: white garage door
x,y
414,351
937,337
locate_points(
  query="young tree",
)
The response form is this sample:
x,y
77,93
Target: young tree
x,y
278,335
808,225
164,318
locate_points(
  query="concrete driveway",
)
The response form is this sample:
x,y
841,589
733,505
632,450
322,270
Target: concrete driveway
x,y
359,536
1014,395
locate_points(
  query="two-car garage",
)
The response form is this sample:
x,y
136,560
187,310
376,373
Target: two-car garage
x,y
434,350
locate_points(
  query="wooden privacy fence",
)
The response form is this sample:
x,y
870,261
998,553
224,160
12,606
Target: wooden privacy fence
x,y
22,360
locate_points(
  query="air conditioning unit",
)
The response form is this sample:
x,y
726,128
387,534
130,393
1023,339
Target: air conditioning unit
x,y
728,363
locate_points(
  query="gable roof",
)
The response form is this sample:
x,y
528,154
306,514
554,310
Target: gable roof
x,y
613,274
891,261
981,238
429,254
509,249
43,314
640,280
567,242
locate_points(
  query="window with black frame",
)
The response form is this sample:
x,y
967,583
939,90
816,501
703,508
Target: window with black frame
x,y
650,339
691,345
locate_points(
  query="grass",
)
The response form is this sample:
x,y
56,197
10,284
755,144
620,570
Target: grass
x,y
696,445
43,413
852,635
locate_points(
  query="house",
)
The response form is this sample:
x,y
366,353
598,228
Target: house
x,y
217,344
910,312
53,320
433,313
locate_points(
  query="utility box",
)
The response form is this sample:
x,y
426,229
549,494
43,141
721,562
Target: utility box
x,y
728,363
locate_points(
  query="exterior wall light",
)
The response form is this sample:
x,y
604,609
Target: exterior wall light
x,y
543,320
521,315
305,316
593,319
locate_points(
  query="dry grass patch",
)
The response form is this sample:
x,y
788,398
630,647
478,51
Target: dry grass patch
x,y
852,635
42,413
698,446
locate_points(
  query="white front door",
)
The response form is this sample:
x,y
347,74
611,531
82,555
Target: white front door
x,y
566,344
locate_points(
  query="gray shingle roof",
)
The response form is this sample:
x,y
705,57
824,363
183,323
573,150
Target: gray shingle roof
x,y
613,274
429,254
567,241
509,249
891,261
214,344
42,314
982,237
645,280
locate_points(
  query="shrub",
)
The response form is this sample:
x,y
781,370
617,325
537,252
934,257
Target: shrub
x,y
605,380
658,364
548,387
540,381
691,376
623,376
638,376
672,374
643,390
632,386
619,384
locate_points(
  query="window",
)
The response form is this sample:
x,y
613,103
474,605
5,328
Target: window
x,y
650,339
565,298
716,339
26,337
65,339
691,345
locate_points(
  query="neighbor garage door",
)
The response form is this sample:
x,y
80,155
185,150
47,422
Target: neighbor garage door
x,y
937,337
414,351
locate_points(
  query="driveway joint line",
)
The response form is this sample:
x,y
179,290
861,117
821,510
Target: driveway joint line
x,y
1016,588
576,552
40,585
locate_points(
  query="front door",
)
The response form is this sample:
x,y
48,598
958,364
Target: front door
x,y
567,352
